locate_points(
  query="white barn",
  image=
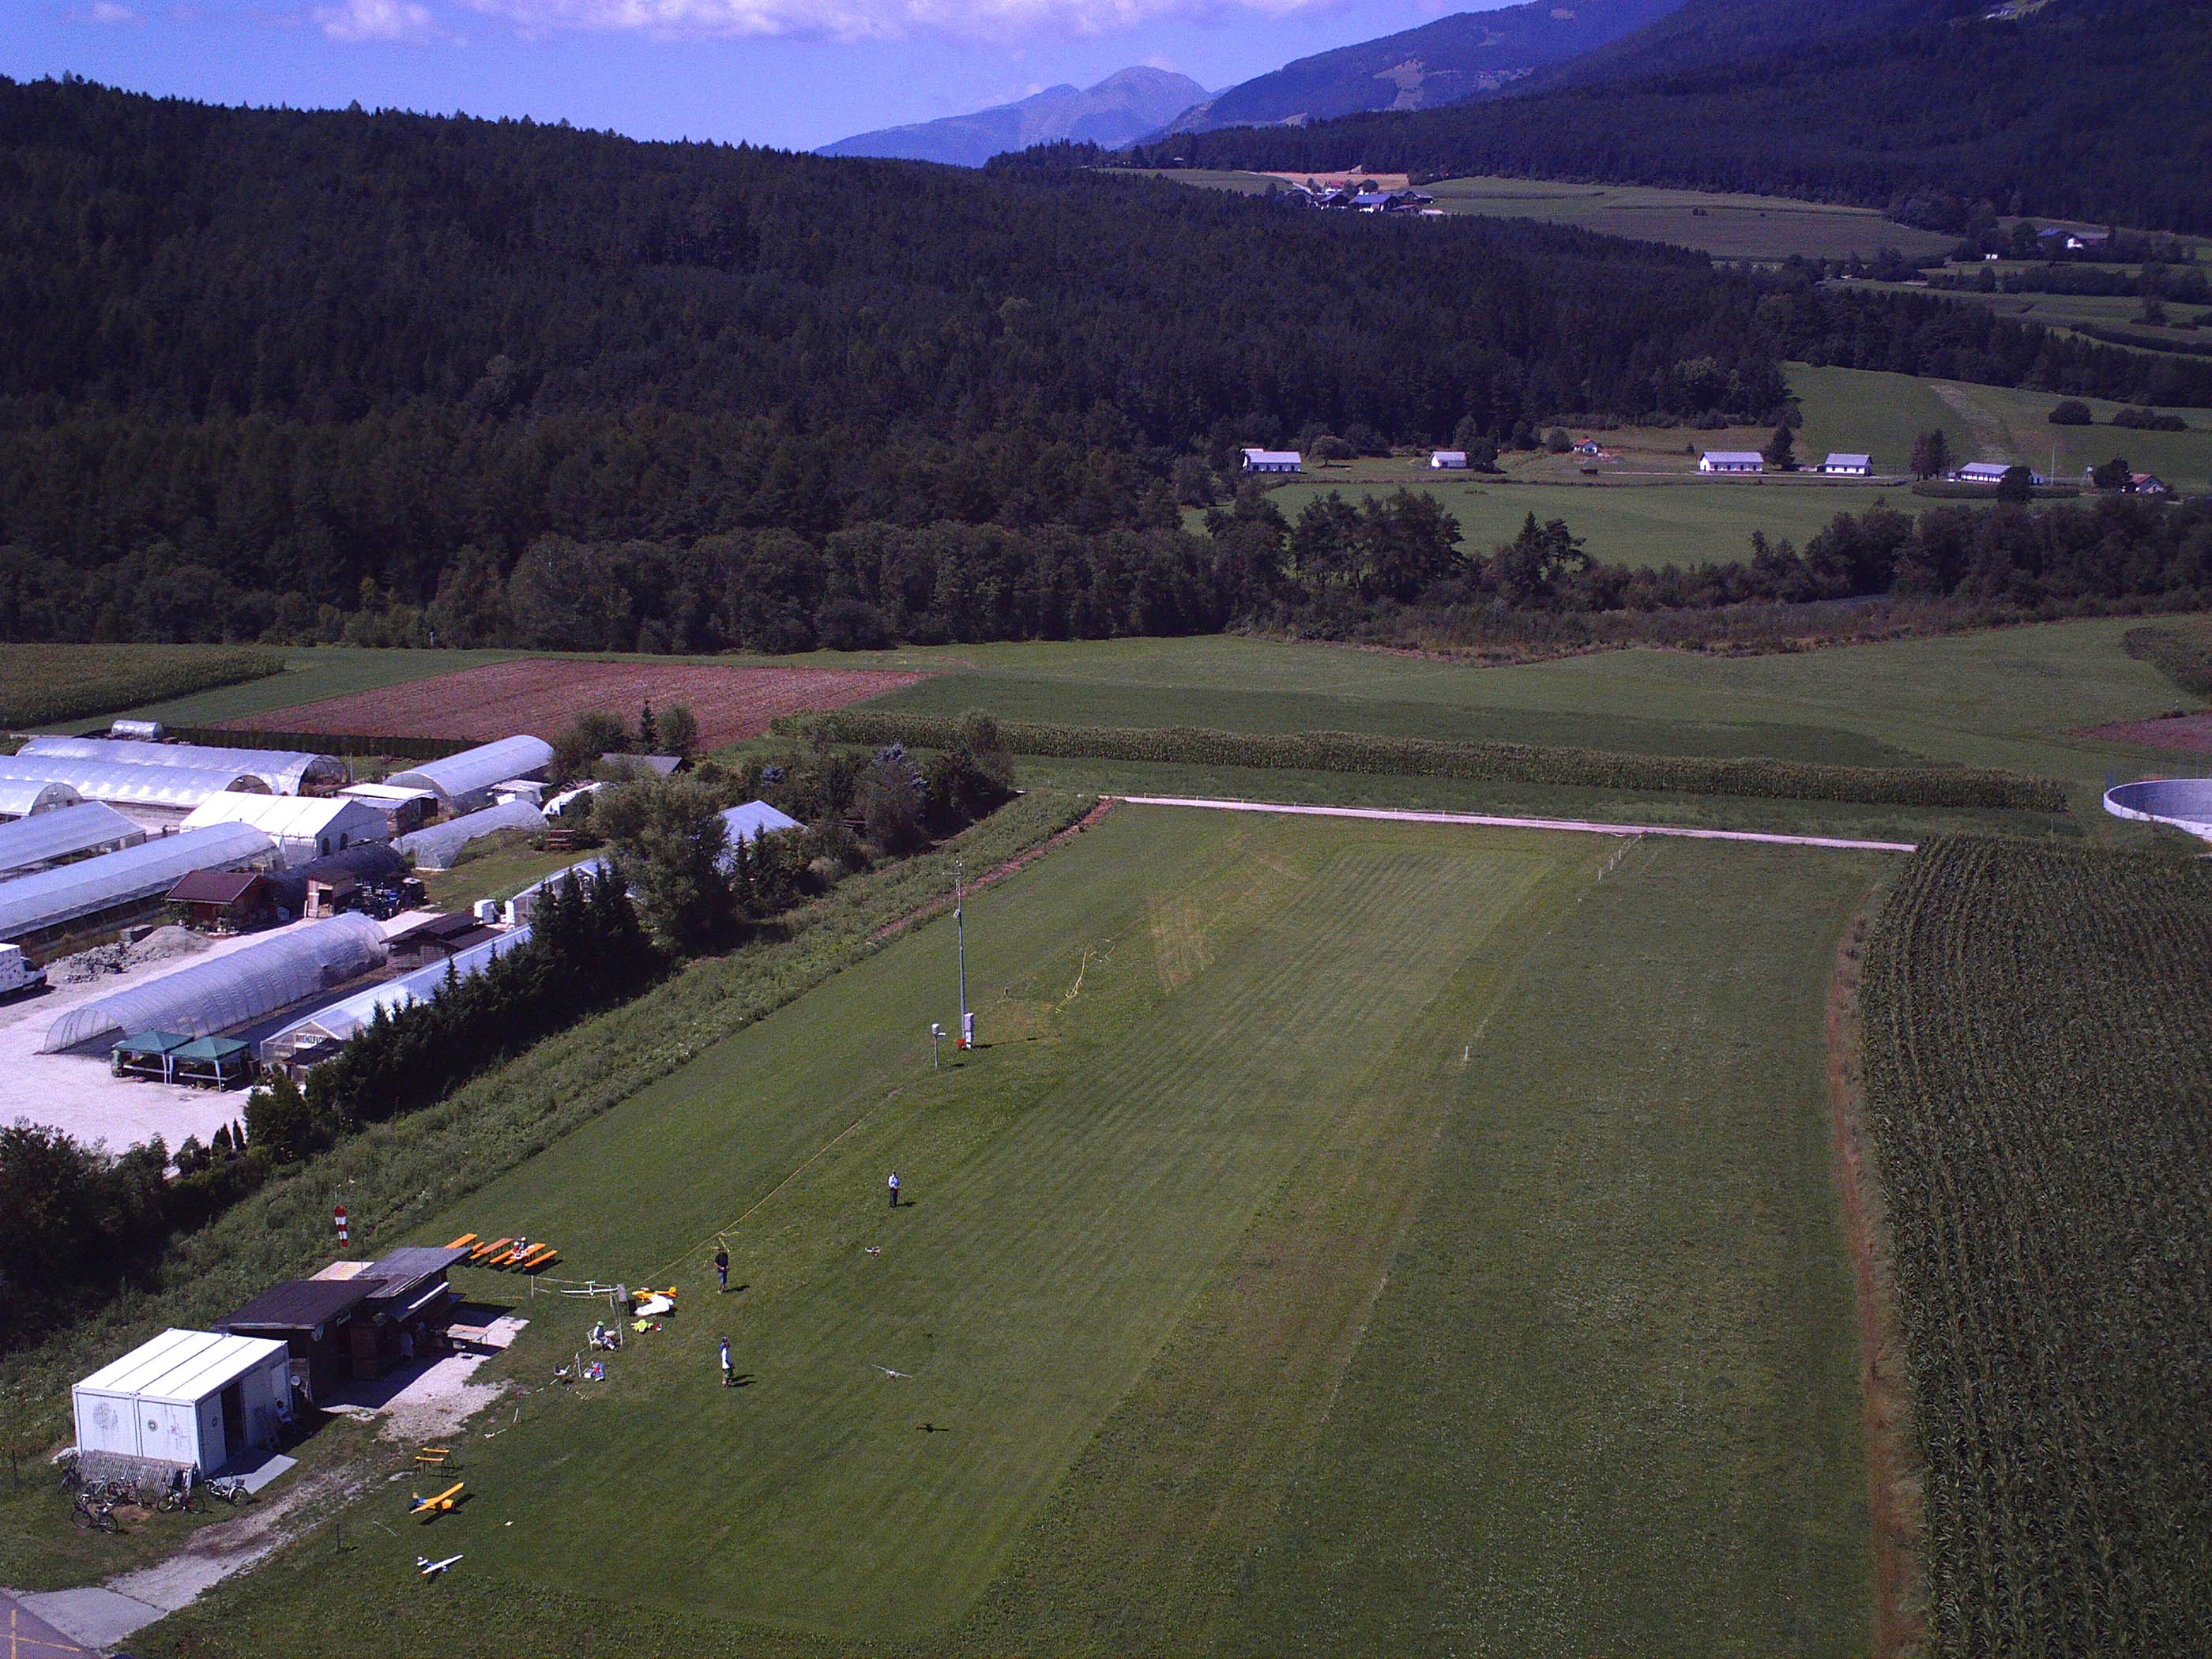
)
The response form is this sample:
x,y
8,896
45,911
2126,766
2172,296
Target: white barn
x,y
1448,460
304,826
189,1398
1841,466
1273,460
1732,460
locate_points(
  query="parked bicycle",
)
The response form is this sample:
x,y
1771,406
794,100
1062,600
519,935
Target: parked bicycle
x,y
230,1489
96,1515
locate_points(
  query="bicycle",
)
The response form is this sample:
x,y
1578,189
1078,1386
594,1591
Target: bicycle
x,y
181,1501
96,1515
230,1489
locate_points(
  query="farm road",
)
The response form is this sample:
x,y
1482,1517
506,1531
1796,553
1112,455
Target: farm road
x,y
1581,826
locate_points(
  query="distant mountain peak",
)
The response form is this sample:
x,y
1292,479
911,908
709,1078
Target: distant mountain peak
x,y
1119,110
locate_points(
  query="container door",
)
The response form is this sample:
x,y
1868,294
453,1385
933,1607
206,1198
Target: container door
x,y
233,1416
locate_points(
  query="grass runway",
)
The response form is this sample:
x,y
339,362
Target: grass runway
x,y
1352,1235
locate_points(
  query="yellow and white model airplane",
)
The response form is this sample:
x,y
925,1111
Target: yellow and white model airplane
x,y
431,1508
429,1569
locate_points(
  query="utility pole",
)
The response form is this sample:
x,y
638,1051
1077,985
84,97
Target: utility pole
x,y
960,936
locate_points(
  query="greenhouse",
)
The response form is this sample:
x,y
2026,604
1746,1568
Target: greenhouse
x,y
209,997
28,844
347,1016
285,771
31,904
24,798
436,847
179,788
464,780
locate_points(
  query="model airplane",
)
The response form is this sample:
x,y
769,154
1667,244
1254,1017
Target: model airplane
x,y
429,1569
430,1508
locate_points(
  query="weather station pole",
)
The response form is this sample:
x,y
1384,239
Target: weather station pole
x,y
960,939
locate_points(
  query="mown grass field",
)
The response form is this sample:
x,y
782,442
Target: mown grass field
x,y
1729,227
1285,1272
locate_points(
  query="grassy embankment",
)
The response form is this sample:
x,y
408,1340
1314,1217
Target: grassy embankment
x,y
1285,1264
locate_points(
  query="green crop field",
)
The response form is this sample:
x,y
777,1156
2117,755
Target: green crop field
x,y
1282,1273
1729,227
1861,410
62,685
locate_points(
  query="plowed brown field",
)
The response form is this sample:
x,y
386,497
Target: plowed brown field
x,y
541,695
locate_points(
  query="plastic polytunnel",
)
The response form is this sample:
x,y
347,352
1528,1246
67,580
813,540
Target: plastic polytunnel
x,y
465,778
349,1016
435,848
87,827
285,771
180,787
207,997
24,798
31,904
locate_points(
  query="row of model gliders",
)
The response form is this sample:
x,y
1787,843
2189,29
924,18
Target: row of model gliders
x,y
521,1256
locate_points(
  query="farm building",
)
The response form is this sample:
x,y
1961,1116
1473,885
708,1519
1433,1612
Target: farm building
x,y
1841,466
131,878
405,1311
1448,460
281,771
1589,448
31,844
438,846
231,990
429,942
304,827
226,901
464,782
186,1400
1273,460
314,1319
2145,483
156,795
27,798
336,1022
1732,460
404,809
1991,472
756,818
330,884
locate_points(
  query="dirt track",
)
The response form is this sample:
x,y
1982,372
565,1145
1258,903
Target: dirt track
x,y
541,695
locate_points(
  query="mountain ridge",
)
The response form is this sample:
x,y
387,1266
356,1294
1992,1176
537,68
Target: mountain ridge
x,y
1119,110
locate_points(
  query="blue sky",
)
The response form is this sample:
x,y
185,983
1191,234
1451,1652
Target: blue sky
x,y
792,73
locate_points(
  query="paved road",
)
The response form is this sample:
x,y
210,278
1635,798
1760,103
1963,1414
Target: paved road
x,y
23,1635
1581,826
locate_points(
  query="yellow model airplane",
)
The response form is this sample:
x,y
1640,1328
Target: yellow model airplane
x,y
431,1508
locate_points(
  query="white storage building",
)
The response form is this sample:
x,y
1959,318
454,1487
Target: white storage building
x,y
242,985
1273,460
281,771
33,903
304,826
1732,460
1842,465
26,798
193,1398
437,847
29,844
463,782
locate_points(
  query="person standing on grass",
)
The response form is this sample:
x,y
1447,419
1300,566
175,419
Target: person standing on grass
x,y
722,1265
729,1376
894,1189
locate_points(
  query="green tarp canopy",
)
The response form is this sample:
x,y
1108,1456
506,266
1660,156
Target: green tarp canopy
x,y
153,1045
212,1051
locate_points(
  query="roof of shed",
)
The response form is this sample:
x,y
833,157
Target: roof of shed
x,y
216,886
299,1304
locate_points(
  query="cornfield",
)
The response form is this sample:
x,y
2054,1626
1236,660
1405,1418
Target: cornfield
x,y
2039,1037
43,684
1521,762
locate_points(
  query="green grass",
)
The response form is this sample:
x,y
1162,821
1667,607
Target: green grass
x,y
314,672
1729,227
1861,409
62,685
1240,1083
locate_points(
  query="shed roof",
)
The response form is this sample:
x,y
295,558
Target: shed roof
x,y
183,1367
1840,458
216,886
49,836
53,897
1735,457
298,1304
283,770
474,770
400,1273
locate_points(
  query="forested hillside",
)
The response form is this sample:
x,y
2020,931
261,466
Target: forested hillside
x,y
388,378
2085,109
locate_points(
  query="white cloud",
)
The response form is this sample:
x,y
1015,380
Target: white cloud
x,y
872,20
402,21
105,11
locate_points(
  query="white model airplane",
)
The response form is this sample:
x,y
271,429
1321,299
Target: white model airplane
x,y
888,1371
429,1569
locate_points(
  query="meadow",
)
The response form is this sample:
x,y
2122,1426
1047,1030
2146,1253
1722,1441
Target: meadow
x,y
1281,1272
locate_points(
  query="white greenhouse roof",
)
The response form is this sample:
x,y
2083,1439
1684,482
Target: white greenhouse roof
x,y
53,897
183,1367
283,770
245,984
434,848
756,818
21,797
181,786
295,817
62,835
474,770
349,1016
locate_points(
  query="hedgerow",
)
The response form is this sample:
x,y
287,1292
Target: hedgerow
x,y
2038,1064
394,1176
2183,655
1475,761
